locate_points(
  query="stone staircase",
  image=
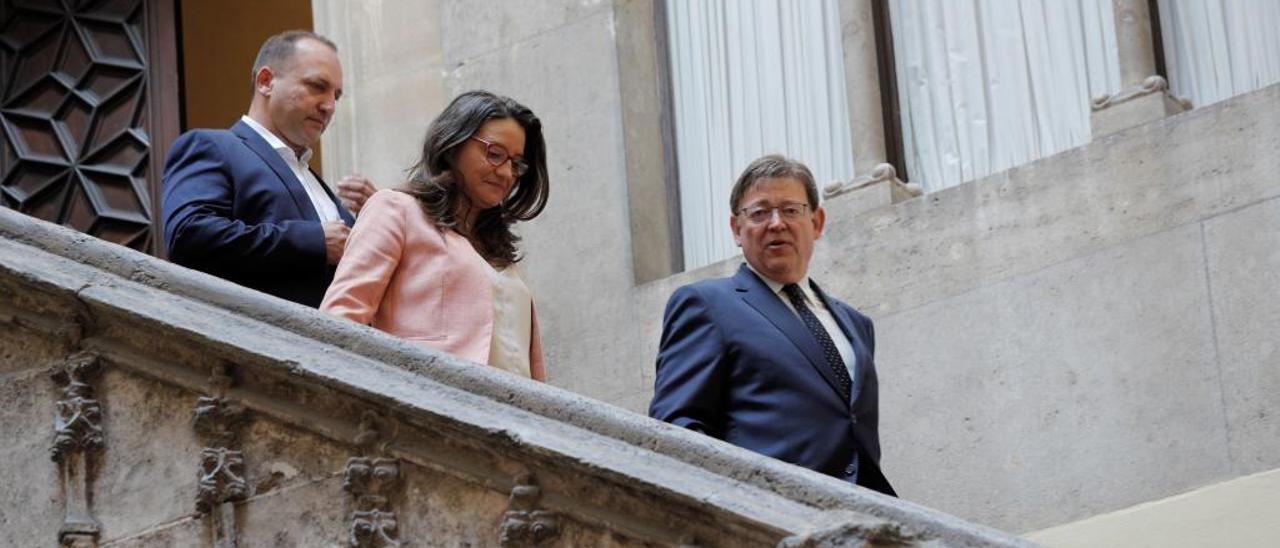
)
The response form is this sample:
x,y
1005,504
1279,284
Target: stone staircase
x,y
144,404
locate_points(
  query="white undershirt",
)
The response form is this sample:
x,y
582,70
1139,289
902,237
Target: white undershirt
x,y
819,309
325,208
512,321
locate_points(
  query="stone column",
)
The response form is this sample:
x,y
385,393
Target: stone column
x,y
877,181
1133,38
652,196
392,66
78,438
1144,95
862,83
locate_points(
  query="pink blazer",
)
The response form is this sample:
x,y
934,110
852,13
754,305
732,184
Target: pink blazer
x,y
402,275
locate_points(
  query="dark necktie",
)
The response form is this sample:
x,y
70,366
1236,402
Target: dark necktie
x,y
833,358
834,361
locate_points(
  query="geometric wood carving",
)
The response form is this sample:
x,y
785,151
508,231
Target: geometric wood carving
x,y
75,144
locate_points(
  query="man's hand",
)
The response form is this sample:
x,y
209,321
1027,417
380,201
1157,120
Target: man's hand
x,y
335,240
354,190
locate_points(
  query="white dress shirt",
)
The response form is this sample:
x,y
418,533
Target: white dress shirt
x,y
325,208
819,309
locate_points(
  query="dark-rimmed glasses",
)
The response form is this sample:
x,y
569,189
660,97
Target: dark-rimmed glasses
x,y
758,215
497,155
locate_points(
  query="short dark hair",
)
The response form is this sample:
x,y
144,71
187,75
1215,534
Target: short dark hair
x,y
277,50
433,181
773,166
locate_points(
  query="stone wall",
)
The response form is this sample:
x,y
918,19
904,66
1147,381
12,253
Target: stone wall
x,y
148,405
1065,338
390,54
1068,337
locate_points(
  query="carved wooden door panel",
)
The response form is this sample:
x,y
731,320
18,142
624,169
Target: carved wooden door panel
x,y
88,104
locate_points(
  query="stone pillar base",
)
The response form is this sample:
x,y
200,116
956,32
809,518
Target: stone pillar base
x,y
1146,102
880,187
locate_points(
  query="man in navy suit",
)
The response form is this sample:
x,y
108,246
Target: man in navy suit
x,y
765,359
243,204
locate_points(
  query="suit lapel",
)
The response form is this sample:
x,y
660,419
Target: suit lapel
x,y
290,181
860,352
758,296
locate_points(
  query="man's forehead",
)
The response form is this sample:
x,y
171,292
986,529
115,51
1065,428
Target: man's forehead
x,y
774,189
310,55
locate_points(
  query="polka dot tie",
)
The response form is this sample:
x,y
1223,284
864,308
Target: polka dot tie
x,y
834,361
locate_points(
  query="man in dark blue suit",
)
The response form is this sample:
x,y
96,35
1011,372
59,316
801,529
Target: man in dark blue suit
x,y
243,204
765,359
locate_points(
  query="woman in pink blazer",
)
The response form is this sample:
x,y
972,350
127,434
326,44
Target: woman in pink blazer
x,y
435,262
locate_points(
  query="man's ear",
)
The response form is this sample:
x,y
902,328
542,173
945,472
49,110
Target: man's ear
x,y
733,226
263,80
819,220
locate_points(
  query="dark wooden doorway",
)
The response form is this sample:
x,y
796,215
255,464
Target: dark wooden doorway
x,y
88,105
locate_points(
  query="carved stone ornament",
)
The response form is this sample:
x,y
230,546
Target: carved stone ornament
x,y
79,540
218,420
688,540
1152,84
373,528
371,477
524,524
856,532
77,437
221,478
878,174
77,418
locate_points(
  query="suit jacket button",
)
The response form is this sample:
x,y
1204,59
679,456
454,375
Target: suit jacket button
x,y
853,418
849,470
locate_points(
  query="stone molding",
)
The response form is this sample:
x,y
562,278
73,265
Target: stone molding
x,y
371,478
218,420
855,532
78,415
880,174
525,523
1141,104
1152,84
466,421
78,434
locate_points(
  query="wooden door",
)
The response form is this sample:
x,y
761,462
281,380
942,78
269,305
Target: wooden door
x,y
88,105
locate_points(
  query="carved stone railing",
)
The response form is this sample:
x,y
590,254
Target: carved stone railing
x,y
314,431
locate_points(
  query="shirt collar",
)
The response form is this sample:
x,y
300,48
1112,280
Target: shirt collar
x,y
275,142
777,286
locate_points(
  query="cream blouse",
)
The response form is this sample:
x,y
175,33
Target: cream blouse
x,y
512,321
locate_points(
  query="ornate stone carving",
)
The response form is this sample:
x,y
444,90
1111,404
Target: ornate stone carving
x,y
371,477
77,436
688,540
221,478
878,174
1153,84
856,532
79,540
78,415
218,420
524,524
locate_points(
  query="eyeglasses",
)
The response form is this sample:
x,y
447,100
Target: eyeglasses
x,y
758,215
497,155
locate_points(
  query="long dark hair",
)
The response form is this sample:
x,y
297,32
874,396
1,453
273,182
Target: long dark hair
x,y
436,185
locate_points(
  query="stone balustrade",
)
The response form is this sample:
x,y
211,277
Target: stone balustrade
x,y
148,405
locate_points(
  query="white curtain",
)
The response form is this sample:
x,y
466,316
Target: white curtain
x,y
749,78
985,85
1214,49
